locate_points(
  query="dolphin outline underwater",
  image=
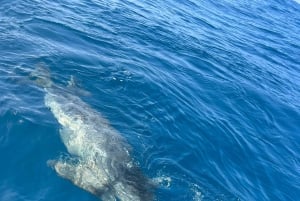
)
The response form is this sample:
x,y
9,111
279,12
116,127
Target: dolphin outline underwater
x,y
99,160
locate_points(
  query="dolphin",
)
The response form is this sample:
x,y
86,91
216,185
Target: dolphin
x,y
99,158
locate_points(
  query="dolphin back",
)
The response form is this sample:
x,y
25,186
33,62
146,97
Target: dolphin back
x,y
99,158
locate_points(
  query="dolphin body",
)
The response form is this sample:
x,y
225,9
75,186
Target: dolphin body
x,y
99,160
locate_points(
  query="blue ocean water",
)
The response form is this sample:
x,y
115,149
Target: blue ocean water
x,y
207,93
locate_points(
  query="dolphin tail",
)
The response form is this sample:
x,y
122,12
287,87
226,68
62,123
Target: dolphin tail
x,y
134,183
41,76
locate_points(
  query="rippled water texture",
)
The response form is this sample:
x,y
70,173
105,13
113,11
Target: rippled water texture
x,y
205,92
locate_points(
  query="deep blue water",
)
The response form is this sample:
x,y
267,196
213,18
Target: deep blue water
x,y
206,92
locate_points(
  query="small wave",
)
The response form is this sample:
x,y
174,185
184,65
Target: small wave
x,y
9,194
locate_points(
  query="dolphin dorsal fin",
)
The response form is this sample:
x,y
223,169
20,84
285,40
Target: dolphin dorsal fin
x,y
72,82
75,88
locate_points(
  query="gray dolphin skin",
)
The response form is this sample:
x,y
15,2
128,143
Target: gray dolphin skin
x,y
99,158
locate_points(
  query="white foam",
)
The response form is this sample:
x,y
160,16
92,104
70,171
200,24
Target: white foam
x,y
162,181
297,1
196,191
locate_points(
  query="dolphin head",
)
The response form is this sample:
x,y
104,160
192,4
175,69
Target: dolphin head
x,y
41,76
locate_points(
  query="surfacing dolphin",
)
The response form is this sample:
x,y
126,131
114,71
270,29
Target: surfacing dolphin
x,y
99,160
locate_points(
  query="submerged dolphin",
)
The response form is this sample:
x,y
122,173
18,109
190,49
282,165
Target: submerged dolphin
x,y
100,161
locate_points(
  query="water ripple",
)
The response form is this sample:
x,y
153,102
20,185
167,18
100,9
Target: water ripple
x,y
207,93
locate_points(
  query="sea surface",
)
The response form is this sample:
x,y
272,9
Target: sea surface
x,y
207,93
